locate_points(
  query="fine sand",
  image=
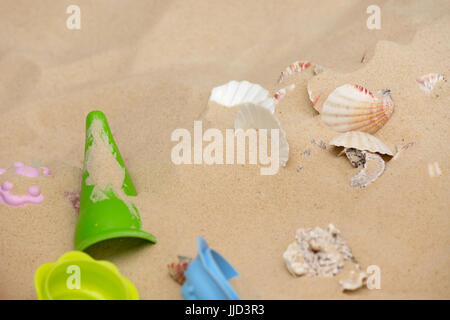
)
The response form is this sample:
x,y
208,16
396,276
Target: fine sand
x,y
150,67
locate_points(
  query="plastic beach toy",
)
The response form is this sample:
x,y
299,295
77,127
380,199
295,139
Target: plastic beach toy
x,y
34,195
77,276
207,276
106,208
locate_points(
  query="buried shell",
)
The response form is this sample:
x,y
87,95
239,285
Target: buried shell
x,y
361,141
253,116
352,107
235,93
280,94
428,81
297,66
313,98
177,269
373,168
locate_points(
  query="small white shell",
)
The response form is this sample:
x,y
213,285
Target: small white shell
x,y
294,260
235,93
354,278
428,81
352,107
253,116
361,141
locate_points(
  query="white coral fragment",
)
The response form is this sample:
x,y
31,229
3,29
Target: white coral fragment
x,y
317,252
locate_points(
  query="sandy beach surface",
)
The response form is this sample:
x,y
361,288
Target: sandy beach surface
x,y
150,67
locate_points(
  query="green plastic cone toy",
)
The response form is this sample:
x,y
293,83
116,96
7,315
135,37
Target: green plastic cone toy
x,y
106,207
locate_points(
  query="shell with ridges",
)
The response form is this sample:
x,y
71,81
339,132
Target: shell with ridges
x,y
428,81
253,116
234,93
361,141
352,107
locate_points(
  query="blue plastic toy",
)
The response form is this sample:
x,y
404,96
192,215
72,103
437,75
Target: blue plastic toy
x,y
207,276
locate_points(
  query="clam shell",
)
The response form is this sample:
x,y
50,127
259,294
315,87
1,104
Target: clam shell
x,y
428,81
235,93
352,107
297,66
253,116
361,141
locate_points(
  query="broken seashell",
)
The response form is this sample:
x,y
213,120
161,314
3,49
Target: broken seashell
x,y
373,168
312,97
363,59
352,107
402,148
434,170
361,141
353,279
254,116
297,66
428,81
177,269
235,93
294,260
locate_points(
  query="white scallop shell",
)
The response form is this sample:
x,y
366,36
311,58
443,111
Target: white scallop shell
x,y
253,116
428,81
352,107
234,93
361,141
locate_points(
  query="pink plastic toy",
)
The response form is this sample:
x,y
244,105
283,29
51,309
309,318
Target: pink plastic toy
x,y
34,195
